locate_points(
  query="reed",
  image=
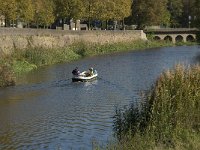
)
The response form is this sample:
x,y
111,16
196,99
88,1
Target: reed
x,y
170,119
21,61
6,75
26,60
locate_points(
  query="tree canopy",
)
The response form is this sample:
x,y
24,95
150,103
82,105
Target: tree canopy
x,y
171,13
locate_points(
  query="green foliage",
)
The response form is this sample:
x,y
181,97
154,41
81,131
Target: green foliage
x,y
25,10
22,67
175,104
69,9
156,14
129,121
171,117
6,75
41,57
198,37
172,13
25,60
8,8
175,8
196,12
44,12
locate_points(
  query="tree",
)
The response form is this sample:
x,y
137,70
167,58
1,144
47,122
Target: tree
x,y
196,12
175,8
188,9
69,9
8,8
44,12
90,13
122,9
25,11
150,12
105,10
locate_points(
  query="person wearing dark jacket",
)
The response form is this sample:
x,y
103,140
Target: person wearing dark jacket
x,y
76,71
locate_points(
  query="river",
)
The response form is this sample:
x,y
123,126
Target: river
x,y
45,110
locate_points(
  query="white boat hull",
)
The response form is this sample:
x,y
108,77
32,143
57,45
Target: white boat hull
x,y
82,77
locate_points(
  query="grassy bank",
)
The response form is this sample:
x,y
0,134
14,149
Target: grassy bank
x,y
171,117
25,60
21,61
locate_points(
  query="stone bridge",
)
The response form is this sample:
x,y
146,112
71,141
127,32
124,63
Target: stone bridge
x,y
174,34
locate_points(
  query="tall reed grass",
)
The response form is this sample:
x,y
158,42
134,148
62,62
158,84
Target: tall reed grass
x,y
25,60
171,116
7,77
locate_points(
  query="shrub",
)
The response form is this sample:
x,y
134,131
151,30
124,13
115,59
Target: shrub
x,y
6,76
171,116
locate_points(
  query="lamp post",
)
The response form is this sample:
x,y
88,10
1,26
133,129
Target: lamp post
x,y
189,21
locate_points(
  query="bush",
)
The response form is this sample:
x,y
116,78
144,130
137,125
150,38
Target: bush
x,y
6,76
171,116
175,104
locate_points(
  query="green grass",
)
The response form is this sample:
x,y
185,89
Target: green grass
x,y
171,117
22,61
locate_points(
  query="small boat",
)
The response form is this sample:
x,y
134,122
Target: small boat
x,y
85,76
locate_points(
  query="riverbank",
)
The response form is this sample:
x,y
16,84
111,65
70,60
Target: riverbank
x,y
170,117
22,61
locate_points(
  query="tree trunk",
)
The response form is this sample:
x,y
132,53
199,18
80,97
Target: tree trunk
x,y
89,24
106,24
123,25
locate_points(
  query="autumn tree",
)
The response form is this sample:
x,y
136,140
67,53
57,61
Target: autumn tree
x,y
25,11
122,9
150,12
102,10
90,13
44,12
8,8
105,10
69,9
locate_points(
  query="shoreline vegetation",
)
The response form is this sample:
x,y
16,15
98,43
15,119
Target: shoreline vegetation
x,y
170,117
22,61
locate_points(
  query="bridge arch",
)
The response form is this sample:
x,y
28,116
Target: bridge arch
x,y
190,38
168,38
179,38
174,34
157,38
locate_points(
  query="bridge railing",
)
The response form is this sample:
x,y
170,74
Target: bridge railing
x,y
172,30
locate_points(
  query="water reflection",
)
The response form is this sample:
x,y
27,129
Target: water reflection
x,y
48,111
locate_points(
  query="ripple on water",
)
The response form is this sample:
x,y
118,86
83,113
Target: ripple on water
x,y
58,114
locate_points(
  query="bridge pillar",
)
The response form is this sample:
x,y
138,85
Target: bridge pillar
x,y
173,39
184,39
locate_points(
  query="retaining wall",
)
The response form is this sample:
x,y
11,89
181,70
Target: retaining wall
x,y
14,38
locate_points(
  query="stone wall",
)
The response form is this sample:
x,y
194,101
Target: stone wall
x,y
14,38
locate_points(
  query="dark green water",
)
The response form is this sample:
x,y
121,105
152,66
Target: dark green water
x,y
47,111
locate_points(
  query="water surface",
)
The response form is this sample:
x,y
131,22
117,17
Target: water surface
x,y
47,111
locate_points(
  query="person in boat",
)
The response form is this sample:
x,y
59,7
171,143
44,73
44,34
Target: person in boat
x,y
76,71
91,71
